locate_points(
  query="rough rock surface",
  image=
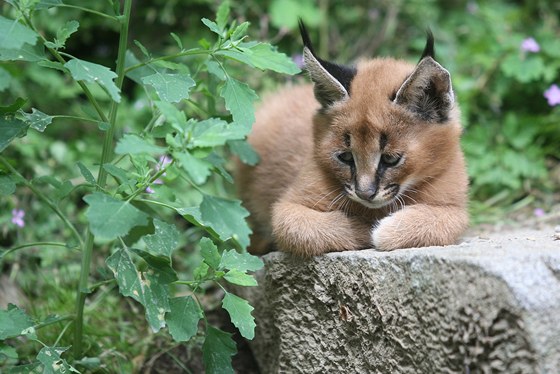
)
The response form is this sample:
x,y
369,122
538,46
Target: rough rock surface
x,y
488,305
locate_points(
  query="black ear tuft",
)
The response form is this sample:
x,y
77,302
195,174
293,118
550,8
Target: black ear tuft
x,y
429,50
332,81
305,36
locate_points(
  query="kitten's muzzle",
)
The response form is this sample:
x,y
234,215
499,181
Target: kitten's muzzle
x,y
368,194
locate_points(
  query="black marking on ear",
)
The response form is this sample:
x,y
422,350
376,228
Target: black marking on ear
x,y
343,74
383,140
429,49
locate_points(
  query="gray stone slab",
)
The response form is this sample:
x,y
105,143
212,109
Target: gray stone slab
x,y
488,305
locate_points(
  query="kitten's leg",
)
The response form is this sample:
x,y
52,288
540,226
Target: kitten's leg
x,y
307,232
420,226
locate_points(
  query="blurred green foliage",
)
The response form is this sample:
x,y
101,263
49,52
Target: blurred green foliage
x,y
511,133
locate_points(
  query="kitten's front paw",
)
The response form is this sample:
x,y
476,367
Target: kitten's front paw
x,y
383,235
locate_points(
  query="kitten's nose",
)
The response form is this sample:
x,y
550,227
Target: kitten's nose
x,y
368,194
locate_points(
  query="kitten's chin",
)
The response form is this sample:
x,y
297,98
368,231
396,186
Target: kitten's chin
x,y
371,204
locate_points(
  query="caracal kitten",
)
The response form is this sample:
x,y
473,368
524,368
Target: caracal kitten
x,y
366,157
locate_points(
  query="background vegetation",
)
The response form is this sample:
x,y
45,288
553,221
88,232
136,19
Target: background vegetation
x,y
504,58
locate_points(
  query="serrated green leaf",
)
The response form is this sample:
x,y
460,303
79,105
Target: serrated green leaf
x,y
265,56
212,26
214,132
65,32
146,288
244,151
12,108
217,350
222,218
116,172
239,99
53,65
170,87
28,52
209,253
215,69
183,318
37,119
138,73
88,176
222,15
133,144
13,35
11,128
160,264
227,218
110,218
240,261
240,313
15,322
7,185
197,169
240,278
165,239
52,362
219,166
240,31
172,115
200,271
94,73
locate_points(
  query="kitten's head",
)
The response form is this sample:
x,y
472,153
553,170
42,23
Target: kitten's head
x,y
384,127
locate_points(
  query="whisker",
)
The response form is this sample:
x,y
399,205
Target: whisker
x,y
325,195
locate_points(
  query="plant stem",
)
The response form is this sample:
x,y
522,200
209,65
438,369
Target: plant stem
x,y
113,18
53,321
46,200
101,181
36,244
190,52
61,59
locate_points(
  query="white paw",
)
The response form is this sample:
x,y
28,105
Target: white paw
x,y
378,239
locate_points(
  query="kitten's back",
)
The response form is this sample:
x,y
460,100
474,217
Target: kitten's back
x,y
282,136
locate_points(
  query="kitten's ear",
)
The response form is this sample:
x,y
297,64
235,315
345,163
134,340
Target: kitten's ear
x,y
427,91
332,81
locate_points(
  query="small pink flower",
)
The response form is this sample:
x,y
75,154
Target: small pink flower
x,y
149,190
530,45
17,217
539,212
163,161
553,95
298,60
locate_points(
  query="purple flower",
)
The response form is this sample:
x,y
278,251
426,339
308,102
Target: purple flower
x,y
530,45
163,161
17,217
538,212
298,60
553,95
149,190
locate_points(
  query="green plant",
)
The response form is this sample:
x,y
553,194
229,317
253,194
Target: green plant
x,y
170,162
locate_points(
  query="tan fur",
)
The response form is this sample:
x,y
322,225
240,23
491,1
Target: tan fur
x,y
295,193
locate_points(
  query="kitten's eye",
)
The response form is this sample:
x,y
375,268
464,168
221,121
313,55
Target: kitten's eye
x,y
390,160
346,157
